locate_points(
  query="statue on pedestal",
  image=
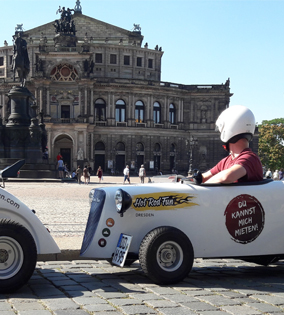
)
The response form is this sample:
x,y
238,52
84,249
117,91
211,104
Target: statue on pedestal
x,y
20,61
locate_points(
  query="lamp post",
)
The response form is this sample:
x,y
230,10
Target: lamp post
x,y
156,153
114,160
193,143
136,162
175,154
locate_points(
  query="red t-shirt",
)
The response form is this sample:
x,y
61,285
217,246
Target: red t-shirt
x,y
247,159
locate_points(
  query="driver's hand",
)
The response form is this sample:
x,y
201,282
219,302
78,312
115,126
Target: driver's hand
x,y
197,177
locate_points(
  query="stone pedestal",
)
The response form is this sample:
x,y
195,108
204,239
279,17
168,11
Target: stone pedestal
x,y
22,135
19,97
65,40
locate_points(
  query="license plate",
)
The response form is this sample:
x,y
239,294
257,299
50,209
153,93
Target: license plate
x,y
121,251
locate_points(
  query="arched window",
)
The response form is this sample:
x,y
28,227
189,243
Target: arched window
x,y
157,113
100,110
139,112
100,146
120,109
64,72
157,147
120,146
172,114
139,146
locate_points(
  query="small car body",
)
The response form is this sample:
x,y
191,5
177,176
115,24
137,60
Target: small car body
x,y
167,225
22,238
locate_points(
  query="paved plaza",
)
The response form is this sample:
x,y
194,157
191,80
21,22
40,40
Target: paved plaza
x,y
67,287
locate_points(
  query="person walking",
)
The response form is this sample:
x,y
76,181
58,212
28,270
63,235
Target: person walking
x,y
276,175
126,174
268,174
100,173
60,167
86,175
79,173
66,171
142,174
281,174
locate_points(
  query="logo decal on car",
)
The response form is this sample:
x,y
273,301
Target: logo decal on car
x,y
245,218
162,201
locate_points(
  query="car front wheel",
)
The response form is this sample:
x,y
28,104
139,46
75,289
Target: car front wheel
x,y
166,255
18,256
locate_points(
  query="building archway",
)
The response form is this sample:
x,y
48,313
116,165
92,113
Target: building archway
x,y
100,156
120,157
63,144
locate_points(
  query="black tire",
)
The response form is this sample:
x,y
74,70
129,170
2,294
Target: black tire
x,y
18,256
166,255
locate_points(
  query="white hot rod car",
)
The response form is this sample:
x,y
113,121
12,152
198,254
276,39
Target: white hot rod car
x,y
22,237
164,225
167,225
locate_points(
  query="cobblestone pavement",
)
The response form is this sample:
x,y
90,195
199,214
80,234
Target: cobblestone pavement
x,y
78,287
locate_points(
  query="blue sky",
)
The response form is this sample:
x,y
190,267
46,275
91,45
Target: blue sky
x,y
204,41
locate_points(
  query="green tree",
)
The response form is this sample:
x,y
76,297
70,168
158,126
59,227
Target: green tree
x,y
271,143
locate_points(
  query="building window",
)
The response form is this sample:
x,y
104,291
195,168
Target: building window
x,y
1,61
120,146
172,114
157,113
150,63
127,60
99,58
139,61
120,109
99,146
113,59
139,112
65,111
100,110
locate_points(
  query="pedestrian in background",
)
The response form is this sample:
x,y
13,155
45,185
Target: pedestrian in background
x,y
268,174
86,175
79,173
60,167
100,173
281,174
126,174
276,175
142,174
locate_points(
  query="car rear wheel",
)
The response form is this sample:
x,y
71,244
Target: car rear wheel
x,y
18,256
166,255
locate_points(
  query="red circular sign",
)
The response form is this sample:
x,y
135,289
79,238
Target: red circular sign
x,y
244,218
102,242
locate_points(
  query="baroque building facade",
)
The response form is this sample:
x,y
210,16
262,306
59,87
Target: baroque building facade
x,y
103,103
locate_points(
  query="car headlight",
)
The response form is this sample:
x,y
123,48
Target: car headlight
x,y
122,201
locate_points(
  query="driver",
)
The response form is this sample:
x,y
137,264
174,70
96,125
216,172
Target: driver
x,y
236,126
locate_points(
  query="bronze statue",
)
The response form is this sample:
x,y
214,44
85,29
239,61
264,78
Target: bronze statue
x,y
65,25
20,61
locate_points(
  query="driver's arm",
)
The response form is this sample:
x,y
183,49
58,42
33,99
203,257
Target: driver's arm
x,y
227,176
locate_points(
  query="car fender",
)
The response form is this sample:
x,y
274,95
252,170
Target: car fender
x,y
13,209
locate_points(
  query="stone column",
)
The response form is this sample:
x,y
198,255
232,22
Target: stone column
x,y
86,101
47,102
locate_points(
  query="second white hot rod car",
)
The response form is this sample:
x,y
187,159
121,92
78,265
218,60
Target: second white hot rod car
x,y
22,237
166,226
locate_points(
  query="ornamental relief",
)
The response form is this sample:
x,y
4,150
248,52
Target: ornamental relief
x,y
64,72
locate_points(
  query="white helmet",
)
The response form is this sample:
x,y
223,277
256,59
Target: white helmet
x,y
235,123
